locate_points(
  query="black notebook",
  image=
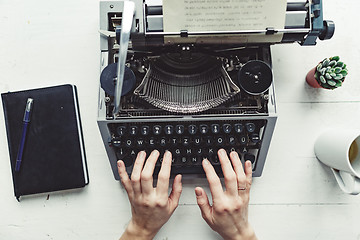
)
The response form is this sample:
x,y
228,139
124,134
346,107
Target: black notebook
x,y
54,154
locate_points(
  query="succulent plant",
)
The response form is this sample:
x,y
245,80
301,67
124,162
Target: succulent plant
x,y
331,72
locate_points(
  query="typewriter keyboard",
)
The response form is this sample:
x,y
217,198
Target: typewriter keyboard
x,y
189,142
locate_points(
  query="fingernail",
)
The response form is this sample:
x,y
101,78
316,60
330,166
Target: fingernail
x,y
234,154
155,152
223,152
141,154
205,161
119,163
197,192
167,153
249,164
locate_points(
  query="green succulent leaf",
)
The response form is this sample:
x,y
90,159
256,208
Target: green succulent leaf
x,y
319,67
332,63
337,69
344,72
340,64
316,75
325,62
327,86
338,76
323,71
336,58
338,84
327,76
333,75
331,83
322,79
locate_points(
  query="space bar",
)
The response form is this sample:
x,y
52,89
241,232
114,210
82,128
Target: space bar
x,y
187,170
198,169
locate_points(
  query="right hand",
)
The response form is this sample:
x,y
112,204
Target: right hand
x,y
229,213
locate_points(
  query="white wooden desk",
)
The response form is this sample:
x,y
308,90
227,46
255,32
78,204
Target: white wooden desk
x,y
46,43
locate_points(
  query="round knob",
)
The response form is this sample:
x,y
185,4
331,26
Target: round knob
x,y
328,30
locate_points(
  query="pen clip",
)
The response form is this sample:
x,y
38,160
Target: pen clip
x,y
29,104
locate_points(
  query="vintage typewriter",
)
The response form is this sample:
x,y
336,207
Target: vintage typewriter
x,y
191,97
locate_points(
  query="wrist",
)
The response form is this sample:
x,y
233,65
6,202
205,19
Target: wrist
x,y
135,232
247,233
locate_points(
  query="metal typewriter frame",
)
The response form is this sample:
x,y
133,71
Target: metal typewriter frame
x,y
149,25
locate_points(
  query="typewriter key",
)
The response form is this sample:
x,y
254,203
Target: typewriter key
x,y
250,127
108,79
116,142
215,128
169,129
255,77
249,157
238,128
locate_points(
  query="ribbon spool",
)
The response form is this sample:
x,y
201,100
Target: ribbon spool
x,y
108,80
255,77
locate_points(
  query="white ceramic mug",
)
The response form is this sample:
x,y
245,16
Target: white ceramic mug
x,y
339,149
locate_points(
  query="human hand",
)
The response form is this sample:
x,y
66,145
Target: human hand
x,y
150,207
229,213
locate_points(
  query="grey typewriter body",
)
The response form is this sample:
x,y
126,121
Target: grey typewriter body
x,y
192,120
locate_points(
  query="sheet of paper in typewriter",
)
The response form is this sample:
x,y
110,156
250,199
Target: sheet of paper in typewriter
x,y
224,15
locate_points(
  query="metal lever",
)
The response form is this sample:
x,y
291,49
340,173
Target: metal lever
x,y
126,23
106,33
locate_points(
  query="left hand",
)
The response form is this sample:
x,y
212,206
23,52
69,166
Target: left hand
x,y
151,207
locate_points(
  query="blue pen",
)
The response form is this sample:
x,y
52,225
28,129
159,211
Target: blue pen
x,y
26,121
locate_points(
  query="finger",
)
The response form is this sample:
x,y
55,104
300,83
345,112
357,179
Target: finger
x,y
136,172
236,162
229,174
203,203
239,171
213,179
164,175
125,180
148,171
175,192
248,172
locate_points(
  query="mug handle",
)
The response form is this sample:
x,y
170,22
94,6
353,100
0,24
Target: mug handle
x,y
348,183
